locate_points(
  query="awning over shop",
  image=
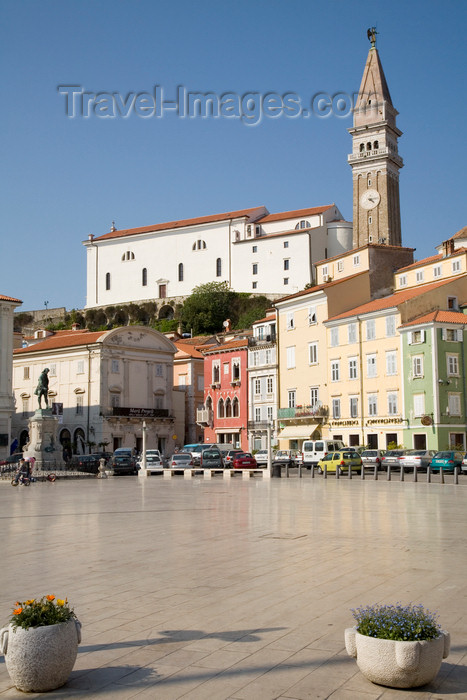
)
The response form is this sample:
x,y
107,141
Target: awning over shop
x,y
297,432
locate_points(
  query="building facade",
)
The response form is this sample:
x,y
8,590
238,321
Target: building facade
x,y
262,383
7,407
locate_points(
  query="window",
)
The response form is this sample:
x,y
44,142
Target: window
x,y
370,221
451,335
419,404
356,260
286,264
312,318
199,245
254,285
216,373
420,275
334,337
158,402
159,370
25,372
235,408
286,244
353,371
107,281
291,357
115,400
220,408
255,268
372,405
290,321
270,385
80,367
336,409
417,366
403,281
452,365
254,249
248,230
371,365
340,266
437,271
314,396
392,403
303,224
25,407
79,405
291,395
391,362
270,413
235,370
228,408
452,303
335,370
286,280
352,332
454,404
417,337
144,277
259,332
390,326
353,406
257,414
255,358
115,367
370,329
182,382
313,353
128,255
456,265
180,272
268,357
219,267
325,272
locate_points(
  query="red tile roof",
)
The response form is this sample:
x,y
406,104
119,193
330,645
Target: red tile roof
x,y
380,246
432,259
63,339
264,320
4,298
296,213
186,350
320,287
461,234
230,345
250,214
391,300
438,316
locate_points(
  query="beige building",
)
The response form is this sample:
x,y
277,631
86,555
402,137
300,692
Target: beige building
x,y
189,379
102,386
7,307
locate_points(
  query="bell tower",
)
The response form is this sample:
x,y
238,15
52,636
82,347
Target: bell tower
x,y
375,159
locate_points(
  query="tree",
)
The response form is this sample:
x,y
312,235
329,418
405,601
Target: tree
x,y
208,307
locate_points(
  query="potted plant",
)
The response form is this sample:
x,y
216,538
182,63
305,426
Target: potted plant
x,y
41,643
400,646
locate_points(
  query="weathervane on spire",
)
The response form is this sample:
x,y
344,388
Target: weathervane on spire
x,y
371,34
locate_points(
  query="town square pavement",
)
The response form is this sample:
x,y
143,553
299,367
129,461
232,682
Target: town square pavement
x,y
240,589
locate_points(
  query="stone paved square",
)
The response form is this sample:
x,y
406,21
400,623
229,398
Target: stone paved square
x,y
236,589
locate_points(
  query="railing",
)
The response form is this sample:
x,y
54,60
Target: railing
x,y
303,412
259,424
203,416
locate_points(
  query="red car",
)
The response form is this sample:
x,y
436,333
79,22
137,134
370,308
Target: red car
x,y
244,460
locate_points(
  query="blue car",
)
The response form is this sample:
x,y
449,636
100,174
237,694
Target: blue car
x,y
446,461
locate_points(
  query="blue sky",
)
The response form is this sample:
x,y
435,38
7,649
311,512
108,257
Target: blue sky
x,y
64,178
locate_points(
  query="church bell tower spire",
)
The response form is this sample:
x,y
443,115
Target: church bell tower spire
x,y
375,159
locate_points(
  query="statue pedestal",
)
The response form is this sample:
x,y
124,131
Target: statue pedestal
x,y
43,444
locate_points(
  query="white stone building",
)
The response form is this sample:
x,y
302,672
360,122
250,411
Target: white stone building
x,y
262,383
102,385
252,250
7,307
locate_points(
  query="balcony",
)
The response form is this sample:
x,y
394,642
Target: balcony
x,y
303,412
204,417
259,424
268,338
374,153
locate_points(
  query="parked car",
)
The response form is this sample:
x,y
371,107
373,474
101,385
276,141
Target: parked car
x,y
416,459
262,456
89,464
286,457
154,461
372,458
121,463
446,461
340,462
181,460
229,457
211,459
464,464
391,459
314,450
245,460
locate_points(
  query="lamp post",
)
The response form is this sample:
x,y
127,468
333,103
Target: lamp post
x,y
143,471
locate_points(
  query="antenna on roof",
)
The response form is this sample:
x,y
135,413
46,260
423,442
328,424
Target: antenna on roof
x,y
113,227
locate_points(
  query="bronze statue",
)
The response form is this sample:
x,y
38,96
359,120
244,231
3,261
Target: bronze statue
x,y
42,388
371,34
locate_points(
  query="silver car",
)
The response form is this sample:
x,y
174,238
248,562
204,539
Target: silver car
x,y
180,460
372,458
391,459
416,459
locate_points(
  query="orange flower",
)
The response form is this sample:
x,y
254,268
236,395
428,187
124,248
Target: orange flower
x,y
17,611
50,597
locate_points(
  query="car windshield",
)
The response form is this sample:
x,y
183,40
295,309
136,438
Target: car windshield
x,y
443,455
369,453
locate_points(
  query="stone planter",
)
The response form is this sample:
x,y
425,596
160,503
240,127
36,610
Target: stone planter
x,y
397,664
40,658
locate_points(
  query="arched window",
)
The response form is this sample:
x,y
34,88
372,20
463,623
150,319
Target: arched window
x,y
235,408
128,255
180,272
220,408
218,267
144,277
199,245
107,281
302,224
208,404
368,146
376,145
228,408
362,147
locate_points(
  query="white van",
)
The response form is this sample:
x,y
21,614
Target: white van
x,y
314,450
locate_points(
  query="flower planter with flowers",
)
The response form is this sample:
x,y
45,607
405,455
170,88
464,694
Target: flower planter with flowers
x,y
397,646
41,644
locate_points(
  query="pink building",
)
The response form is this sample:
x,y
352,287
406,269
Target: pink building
x,y
225,413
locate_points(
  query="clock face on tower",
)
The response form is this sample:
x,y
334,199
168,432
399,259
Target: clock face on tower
x,y
370,199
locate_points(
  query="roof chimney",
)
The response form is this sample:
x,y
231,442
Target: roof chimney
x,y
113,227
75,327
